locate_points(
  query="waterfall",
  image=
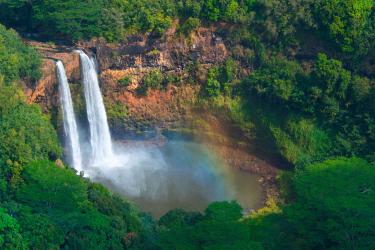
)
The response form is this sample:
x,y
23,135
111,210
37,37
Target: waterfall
x,y
70,124
100,137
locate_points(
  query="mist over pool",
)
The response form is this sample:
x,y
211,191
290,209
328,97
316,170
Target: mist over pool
x,y
179,174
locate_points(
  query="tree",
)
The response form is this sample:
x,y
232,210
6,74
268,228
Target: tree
x,y
16,13
332,78
347,23
10,236
277,80
25,133
213,86
67,19
333,209
329,209
279,21
218,228
78,215
16,59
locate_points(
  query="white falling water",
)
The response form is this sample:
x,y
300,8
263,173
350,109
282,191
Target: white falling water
x,y
70,124
100,137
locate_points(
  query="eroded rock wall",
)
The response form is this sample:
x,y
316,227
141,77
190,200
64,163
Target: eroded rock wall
x,y
170,109
45,91
172,55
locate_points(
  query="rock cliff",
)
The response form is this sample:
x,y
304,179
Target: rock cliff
x,y
171,108
173,55
45,91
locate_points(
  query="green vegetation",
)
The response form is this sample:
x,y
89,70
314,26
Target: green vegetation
x,y
117,112
153,79
347,25
325,197
25,134
16,59
219,79
126,81
326,97
299,81
192,23
47,207
43,206
218,228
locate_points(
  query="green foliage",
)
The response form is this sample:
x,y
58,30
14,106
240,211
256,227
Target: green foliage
x,y
278,22
227,10
25,133
157,22
46,194
37,229
301,142
189,25
213,87
178,218
328,94
55,209
333,79
66,18
276,81
111,23
153,79
116,112
328,190
113,19
190,8
219,79
345,26
16,59
218,228
10,236
326,196
125,81
347,23
15,13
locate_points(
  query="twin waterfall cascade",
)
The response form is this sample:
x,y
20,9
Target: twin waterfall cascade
x,y
159,178
100,137
70,124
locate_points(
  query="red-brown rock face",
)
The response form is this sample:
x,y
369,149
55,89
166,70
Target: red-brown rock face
x,y
172,55
45,91
135,57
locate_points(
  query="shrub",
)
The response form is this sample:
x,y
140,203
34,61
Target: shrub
x,y
16,59
25,133
327,196
213,87
347,24
125,81
154,80
189,25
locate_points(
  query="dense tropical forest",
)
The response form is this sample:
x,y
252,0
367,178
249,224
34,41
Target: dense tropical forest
x,y
316,112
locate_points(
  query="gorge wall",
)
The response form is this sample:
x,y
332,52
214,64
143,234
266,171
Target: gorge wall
x,y
174,56
45,91
172,109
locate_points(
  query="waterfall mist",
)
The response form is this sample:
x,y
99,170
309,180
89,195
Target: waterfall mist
x,y
70,124
158,178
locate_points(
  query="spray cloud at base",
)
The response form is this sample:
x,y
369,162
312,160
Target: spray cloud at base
x,y
178,174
